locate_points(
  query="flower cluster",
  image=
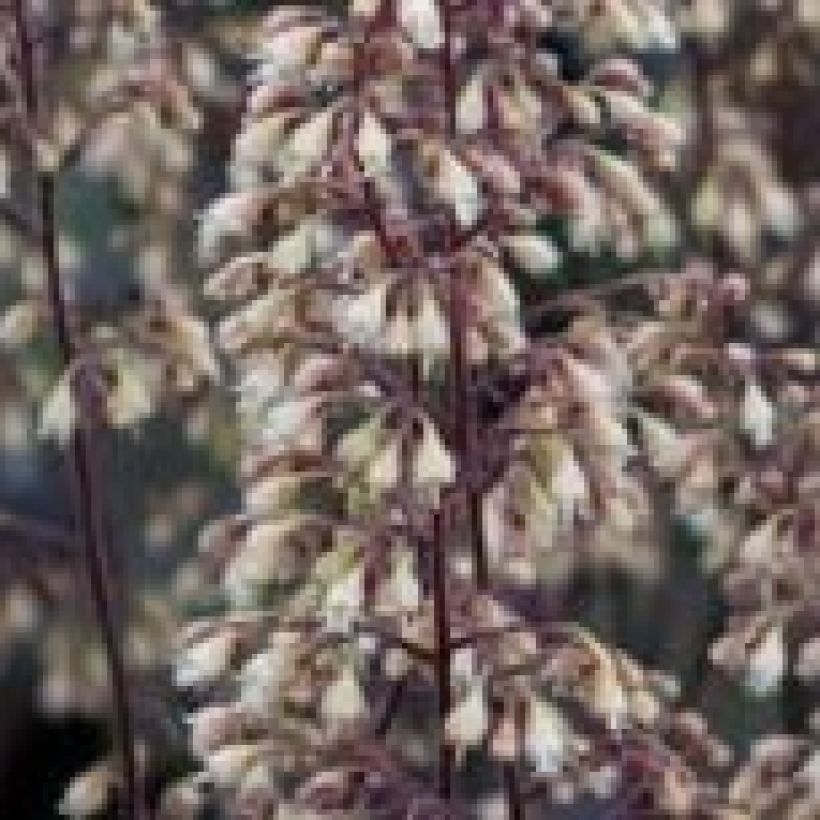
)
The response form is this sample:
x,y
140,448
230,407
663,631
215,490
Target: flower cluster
x,y
133,119
419,469
111,106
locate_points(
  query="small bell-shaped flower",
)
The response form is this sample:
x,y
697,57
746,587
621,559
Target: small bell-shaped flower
x,y
570,488
471,112
468,722
89,793
536,255
343,702
401,591
421,20
343,601
435,467
459,187
227,766
767,662
204,661
757,415
373,145
547,738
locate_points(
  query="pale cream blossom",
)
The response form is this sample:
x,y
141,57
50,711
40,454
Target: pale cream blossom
x,y
204,661
458,186
373,145
757,415
547,740
343,701
535,254
767,662
89,793
468,722
421,20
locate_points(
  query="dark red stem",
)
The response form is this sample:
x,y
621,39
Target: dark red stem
x,y
441,617
464,410
90,520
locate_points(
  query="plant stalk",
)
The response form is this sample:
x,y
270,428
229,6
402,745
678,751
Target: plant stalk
x,y
464,420
463,398
90,520
441,618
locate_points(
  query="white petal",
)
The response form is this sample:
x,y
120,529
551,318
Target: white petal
x,y
757,415
459,187
228,765
88,794
432,337
343,601
373,145
402,590
59,414
343,701
471,112
535,254
205,661
434,464
467,724
365,9
383,473
421,21
664,446
263,675
767,663
361,319
546,739
308,144
20,323
570,488
759,545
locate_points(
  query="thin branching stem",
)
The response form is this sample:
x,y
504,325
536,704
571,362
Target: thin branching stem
x,y
441,617
84,462
464,421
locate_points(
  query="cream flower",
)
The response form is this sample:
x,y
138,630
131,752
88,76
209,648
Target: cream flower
x,y
471,113
570,488
228,216
546,742
665,447
227,766
262,557
757,415
535,255
432,337
262,677
362,319
343,701
458,186
383,471
421,20
343,601
767,662
58,418
468,722
89,793
435,466
373,145
205,661
401,592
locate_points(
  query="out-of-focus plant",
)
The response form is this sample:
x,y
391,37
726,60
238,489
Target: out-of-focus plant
x,y
416,464
741,462
126,108
755,361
